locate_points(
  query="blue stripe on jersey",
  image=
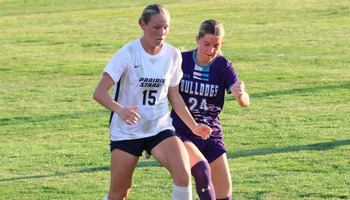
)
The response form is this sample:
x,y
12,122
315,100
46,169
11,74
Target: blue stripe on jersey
x,y
229,89
201,74
204,68
199,69
202,79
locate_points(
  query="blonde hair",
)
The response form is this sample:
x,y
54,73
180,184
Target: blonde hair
x,y
211,26
151,10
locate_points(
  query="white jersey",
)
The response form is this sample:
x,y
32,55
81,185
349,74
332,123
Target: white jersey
x,y
143,79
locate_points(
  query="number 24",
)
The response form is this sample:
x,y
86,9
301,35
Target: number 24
x,y
194,102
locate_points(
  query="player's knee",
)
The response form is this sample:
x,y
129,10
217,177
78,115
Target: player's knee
x,y
182,178
201,171
227,198
114,196
119,194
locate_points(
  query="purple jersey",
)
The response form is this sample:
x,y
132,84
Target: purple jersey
x,y
203,90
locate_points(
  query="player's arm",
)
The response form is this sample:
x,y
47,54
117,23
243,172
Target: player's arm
x,y
182,111
102,96
238,92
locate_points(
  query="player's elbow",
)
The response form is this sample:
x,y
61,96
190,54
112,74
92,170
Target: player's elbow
x,y
95,96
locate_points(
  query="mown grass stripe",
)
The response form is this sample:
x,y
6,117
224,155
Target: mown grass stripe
x,y
232,53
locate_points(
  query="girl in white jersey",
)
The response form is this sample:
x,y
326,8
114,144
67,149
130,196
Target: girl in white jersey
x,y
145,74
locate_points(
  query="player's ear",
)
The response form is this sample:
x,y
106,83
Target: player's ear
x,y
197,39
222,42
143,25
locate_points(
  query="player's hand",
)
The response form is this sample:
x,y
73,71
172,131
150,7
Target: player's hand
x,y
128,115
238,88
203,131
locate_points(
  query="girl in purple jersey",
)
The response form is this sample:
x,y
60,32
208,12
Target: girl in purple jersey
x,y
207,75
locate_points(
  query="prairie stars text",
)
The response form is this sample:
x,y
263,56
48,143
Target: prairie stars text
x,y
151,82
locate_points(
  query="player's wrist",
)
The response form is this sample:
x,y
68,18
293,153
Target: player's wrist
x,y
118,109
194,127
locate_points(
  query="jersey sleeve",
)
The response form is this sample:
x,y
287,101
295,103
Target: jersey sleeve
x,y
118,65
230,76
177,75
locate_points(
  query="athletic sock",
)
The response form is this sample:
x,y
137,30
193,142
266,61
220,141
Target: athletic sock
x,y
202,176
182,193
105,198
227,198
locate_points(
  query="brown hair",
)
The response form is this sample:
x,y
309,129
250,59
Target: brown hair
x,y
211,26
151,10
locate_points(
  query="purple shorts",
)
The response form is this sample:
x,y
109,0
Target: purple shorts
x,y
211,150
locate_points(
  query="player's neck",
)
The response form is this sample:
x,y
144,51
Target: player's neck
x,y
199,60
150,49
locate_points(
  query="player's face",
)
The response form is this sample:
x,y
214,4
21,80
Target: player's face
x,y
208,48
157,29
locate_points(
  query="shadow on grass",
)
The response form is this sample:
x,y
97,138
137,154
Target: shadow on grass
x,y
298,90
318,146
153,163
88,170
323,196
38,119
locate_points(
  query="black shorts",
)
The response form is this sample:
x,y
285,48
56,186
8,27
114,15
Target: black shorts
x,y
136,147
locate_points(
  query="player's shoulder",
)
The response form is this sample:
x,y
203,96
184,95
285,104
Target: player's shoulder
x,y
187,53
171,51
222,64
171,47
128,47
222,61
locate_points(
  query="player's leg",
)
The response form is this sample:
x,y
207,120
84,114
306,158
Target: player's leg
x,y
122,167
201,172
171,153
221,178
123,163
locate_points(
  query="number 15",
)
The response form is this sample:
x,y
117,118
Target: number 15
x,y
151,97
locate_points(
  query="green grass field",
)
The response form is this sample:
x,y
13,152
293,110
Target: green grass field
x,y
293,142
